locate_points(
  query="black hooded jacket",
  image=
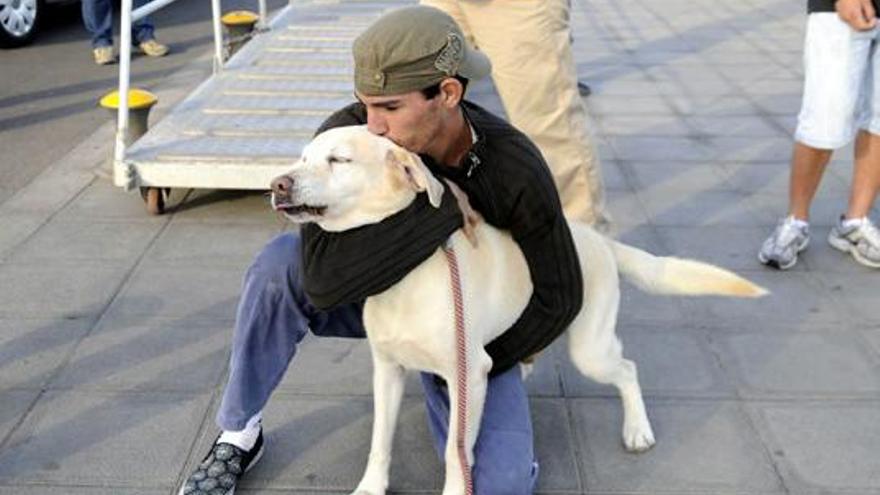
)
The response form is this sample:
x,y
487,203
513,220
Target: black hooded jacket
x,y
508,182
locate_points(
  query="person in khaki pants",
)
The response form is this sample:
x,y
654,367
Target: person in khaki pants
x,y
529,45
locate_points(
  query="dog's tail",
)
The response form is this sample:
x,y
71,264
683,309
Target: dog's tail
x,y
669,275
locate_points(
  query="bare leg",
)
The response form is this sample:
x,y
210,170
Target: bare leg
x,y
866,175
807,167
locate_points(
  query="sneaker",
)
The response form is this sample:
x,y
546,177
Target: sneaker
x,y
781,249
584,90
861,240
104,55
220,470
153,48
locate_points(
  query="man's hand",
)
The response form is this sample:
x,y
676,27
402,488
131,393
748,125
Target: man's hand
x,y
859,14
471,217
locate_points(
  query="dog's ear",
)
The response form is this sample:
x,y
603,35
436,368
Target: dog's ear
x,y
417,174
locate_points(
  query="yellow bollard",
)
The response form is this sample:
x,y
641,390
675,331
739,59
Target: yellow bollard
x,y
139,104
239,26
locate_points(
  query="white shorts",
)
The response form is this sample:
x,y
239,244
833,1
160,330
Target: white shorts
x,y
841,84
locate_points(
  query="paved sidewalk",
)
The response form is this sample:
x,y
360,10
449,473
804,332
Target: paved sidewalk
x,y
115,326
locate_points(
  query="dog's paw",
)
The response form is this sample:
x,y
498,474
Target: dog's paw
x,y
637,439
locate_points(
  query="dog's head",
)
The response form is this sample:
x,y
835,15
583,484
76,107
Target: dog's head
x,y
348,177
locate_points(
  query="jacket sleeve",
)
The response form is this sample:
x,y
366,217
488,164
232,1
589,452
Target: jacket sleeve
x,y
349,266
537,224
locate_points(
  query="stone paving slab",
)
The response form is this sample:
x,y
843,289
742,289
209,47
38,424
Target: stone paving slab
x,y
856,291
17,227
701,208
798,298
59,288
830,364
32,350
169,290
323,443
87,240
77,490
103,439
702,447
197,243
14,404
671,362
101,200
676,177
734,248
824,447
173,355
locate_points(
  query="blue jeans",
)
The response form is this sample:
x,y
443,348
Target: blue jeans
x,y
274,315
98,18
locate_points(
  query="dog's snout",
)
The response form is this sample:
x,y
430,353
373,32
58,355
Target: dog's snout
x,y
282,185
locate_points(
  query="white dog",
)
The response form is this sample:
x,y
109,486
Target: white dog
x,y
410,325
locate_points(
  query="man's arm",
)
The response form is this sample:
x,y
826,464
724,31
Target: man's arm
x,y
538,226
345,267
349,266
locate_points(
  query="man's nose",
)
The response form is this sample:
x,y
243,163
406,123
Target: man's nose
x,y
376,125
282,185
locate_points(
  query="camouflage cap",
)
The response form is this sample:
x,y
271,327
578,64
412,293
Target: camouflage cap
x,y
413,48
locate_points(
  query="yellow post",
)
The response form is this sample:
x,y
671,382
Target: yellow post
x,y
239,25
139,104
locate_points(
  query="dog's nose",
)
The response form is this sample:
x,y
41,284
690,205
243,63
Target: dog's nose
x,y
282,185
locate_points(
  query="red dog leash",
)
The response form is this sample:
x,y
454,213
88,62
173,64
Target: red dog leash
x,y
461,366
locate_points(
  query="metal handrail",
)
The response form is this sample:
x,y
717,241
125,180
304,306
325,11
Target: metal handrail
x,y
128,16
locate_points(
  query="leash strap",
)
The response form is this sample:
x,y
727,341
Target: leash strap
x,y
460,367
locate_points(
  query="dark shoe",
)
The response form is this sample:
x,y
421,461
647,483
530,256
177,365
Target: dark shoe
x,y
220,470
584,90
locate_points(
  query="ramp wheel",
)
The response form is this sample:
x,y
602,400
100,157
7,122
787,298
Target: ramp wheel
x,y
154,197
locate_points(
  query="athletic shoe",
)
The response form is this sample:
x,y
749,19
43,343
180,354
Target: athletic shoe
x,y
220,470
104,55
153,48
861,240
781,249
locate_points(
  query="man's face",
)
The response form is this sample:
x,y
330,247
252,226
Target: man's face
x,y
408,119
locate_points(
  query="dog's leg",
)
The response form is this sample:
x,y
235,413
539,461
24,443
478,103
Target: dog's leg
x,y
477,382
388,384
598,353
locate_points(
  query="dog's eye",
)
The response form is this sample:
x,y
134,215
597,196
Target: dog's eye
x,y
338,159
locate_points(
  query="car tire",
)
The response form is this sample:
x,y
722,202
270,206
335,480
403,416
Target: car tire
x,y
20,21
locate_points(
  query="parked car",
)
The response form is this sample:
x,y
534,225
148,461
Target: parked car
x,y
20,20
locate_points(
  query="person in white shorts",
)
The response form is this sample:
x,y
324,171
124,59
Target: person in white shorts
x,y
529,45
841,102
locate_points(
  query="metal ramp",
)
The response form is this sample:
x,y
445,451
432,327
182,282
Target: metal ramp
x,y
249,122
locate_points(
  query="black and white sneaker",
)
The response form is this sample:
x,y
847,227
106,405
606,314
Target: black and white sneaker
x,y
220,470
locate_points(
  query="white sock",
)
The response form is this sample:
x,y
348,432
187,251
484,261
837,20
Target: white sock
x,y
852,222
800,223
246,438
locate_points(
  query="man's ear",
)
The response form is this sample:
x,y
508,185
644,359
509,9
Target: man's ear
x,y
417,174
452,91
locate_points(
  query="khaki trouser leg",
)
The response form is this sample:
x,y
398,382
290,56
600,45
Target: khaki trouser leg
x,y
529,44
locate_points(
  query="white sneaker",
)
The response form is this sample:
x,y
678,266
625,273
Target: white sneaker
x,y
781,249
860,239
